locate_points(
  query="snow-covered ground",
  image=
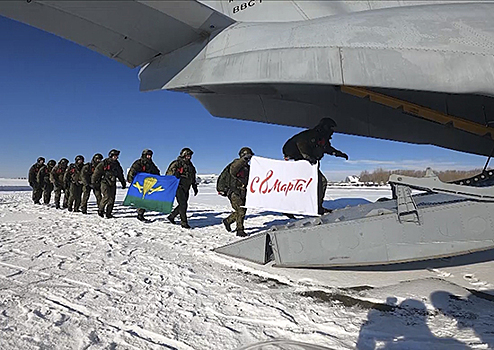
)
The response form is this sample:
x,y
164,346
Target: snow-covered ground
x,y
70,281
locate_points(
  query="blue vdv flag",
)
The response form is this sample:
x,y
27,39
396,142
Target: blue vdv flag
x,y
152,192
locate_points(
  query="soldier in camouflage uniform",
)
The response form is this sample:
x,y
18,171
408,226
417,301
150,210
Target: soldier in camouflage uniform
x,y
144,164
311,145
74,183
86,173
33,179
56,178
184,170
44,180
105,177
239,174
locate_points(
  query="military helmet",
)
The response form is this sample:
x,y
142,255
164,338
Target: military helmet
x,y
78,158
244,151
326,124
52,163
40,159
97,156
114,152
64,161
146,152
186,152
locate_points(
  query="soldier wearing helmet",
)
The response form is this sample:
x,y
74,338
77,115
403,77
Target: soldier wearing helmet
x,y
44,180
239,175
33,179
311,145
105,177
56,178
73,182
144,164
184,170
86,173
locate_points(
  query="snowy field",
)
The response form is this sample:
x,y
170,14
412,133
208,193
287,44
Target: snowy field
x,y
70,281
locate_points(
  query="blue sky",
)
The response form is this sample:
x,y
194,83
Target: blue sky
x,y
58,99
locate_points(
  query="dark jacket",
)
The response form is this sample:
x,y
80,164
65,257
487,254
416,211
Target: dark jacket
x,y
142,165
73,174
239,170
57,175
185,171
44,175
107,172
310,145
33,174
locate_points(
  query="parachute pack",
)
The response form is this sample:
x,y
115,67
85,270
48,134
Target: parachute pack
x,y
224,181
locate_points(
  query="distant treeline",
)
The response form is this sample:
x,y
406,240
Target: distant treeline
x,y
382,175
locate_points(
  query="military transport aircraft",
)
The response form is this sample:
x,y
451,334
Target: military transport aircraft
x,y
412,71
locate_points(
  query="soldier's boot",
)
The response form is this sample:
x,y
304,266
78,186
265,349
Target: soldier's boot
x,y
57,205
101,213
65,205
323,210
84,210
109,216
171,219
140,217
228,226
241,233
69,208
185,225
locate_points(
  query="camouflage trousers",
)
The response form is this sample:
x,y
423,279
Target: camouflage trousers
x,y
47,190
37,193
108,193
238,216
75,194
322,183
58,195
86,193
182,197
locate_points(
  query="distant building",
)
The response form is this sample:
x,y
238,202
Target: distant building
x,y
352,179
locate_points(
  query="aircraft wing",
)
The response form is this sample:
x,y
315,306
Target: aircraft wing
x,y
130,32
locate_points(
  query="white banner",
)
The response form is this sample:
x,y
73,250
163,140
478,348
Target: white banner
x,y
282,186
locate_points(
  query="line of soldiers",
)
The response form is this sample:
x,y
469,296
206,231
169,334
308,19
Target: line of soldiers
x,y
77,180
100,175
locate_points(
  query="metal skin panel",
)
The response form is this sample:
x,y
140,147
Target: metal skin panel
x,y
131,32
252,249
446,230
405,48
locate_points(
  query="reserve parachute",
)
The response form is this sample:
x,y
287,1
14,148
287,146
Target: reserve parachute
x,y
224,181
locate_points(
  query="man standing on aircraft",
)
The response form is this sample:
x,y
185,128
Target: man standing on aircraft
x,y
105,175
237,192
74,183
311,145
144,164
86,173
44,180
56,178
33,181
183,169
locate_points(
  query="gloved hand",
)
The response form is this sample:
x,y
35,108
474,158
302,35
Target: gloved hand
x,y
342,155
124,185
194,187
